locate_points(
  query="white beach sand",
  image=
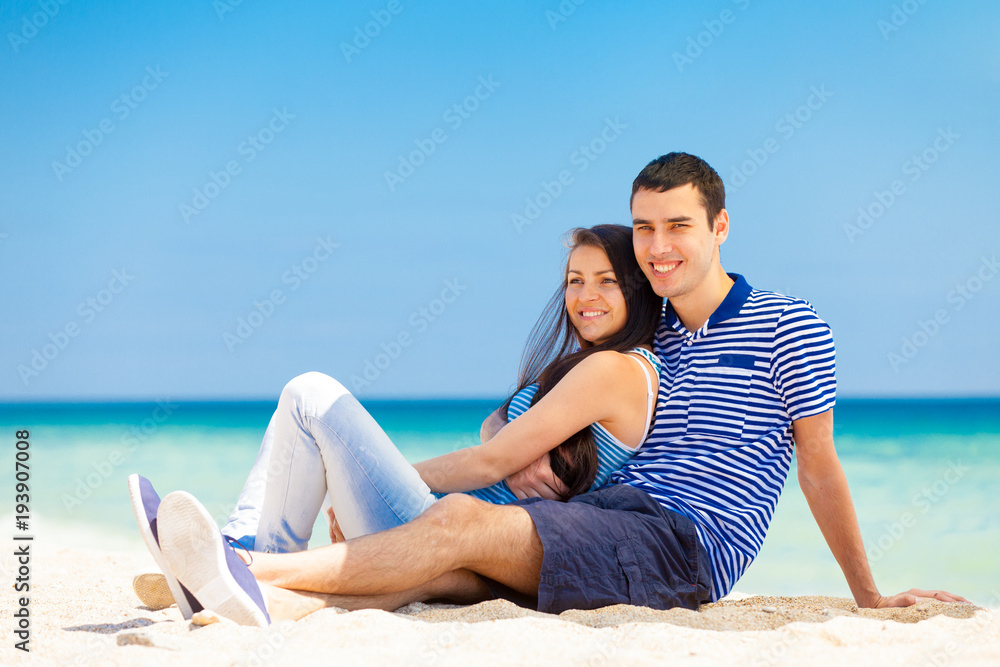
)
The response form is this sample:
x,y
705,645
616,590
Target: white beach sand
x,y
85,613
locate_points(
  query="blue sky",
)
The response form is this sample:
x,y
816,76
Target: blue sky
x,y
170,170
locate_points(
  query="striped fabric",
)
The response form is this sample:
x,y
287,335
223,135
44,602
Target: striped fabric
x,y
611,452
721,446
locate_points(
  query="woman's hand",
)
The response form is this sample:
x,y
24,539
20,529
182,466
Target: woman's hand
x,y
335,533
537,480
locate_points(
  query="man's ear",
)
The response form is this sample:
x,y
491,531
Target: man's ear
x,y
721,227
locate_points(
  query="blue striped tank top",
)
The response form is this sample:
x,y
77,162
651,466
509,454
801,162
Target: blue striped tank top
x,y
611,452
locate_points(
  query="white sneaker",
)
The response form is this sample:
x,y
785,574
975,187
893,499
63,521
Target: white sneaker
x,y
145,503
205,564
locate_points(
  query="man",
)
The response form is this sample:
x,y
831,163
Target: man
x,y
746,373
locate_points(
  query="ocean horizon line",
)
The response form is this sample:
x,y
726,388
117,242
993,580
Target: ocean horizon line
x,y
882,417
235,401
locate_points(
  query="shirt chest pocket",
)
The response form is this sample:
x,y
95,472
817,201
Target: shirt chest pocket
x,y
719,398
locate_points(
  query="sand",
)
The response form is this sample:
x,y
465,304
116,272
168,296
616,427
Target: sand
x,y
85,613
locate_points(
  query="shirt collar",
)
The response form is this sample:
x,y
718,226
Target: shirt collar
x,y
729,308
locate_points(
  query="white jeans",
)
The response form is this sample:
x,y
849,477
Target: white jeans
x,y
321,441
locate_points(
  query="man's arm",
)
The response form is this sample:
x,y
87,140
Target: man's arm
x,y
825,487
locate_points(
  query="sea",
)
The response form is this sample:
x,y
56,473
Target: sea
x,y
924,476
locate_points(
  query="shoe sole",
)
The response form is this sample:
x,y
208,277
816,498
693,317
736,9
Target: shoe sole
x,y
149,535
196,553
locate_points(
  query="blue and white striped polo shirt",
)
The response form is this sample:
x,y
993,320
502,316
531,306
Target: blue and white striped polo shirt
x,y
721,446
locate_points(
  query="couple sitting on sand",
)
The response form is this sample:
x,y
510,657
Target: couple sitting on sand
x,y
639,461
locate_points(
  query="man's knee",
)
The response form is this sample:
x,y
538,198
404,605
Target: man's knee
x,y
496,541
454,513
455,506
463,518
311,385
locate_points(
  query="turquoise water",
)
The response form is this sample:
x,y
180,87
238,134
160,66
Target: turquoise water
x,y
923,476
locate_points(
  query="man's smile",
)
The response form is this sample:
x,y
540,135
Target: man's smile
x,y
661,269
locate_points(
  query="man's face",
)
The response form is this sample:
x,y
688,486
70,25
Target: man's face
x,y
672,241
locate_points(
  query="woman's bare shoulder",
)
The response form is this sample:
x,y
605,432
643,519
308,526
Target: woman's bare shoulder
x,y
609,365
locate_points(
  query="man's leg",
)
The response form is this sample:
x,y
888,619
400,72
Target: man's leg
x,y
461,587
458,532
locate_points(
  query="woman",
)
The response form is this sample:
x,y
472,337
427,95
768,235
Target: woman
x,y
592,406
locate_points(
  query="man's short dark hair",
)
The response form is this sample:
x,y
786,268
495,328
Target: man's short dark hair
x,y
674,170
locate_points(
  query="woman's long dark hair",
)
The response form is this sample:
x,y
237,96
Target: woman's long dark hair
x,y
553,347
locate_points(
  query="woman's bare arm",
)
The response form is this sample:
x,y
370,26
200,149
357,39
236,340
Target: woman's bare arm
x,y
604,386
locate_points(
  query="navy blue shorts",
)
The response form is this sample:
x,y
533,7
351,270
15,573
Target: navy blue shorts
x,y
616,545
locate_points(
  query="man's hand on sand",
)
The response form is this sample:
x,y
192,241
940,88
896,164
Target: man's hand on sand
x,y
537,479
914,595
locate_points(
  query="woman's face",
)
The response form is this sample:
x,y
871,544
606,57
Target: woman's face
x,y
594,300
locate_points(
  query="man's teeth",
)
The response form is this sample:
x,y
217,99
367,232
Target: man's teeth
x,y
665,268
